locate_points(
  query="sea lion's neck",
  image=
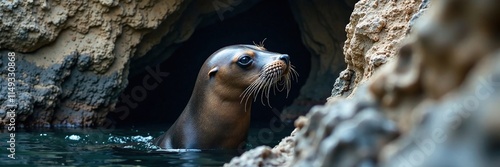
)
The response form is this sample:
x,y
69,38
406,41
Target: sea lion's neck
x,y
227,113
208,100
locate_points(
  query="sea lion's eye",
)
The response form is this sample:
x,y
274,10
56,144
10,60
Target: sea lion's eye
x,y
245,61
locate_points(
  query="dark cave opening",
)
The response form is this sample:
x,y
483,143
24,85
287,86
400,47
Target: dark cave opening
x,y
270,20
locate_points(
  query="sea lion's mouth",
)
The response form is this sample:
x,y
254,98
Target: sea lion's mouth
x,y
276,76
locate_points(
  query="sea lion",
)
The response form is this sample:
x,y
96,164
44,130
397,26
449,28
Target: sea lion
x,y
217,115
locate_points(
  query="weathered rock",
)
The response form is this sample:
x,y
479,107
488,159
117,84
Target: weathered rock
x,y
280,155
59,94
435,60
342,84
443,90
463,126
421,10
344,133
73,57
374,33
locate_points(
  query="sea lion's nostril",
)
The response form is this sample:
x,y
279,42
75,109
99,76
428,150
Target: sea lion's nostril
x,y
285,58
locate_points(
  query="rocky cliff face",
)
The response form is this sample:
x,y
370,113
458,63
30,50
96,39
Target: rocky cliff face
x,y
433,103
73,57
374,33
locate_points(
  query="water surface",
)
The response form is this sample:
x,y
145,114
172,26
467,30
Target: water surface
x,y
130,146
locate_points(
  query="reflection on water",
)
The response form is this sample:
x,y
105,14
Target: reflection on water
x,y
117,147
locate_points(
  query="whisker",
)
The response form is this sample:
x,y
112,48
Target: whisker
x,y
269,87
295,74
261,90
266,89
267,80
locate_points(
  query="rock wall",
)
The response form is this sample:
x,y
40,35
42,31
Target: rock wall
x,y
73,57
374,33
444,88
433,103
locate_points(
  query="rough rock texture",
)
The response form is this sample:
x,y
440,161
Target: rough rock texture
x,y
319,22
374,33
344,133
280,155
73,57
437,59
444,88
421,10
435,102
60,93
463,127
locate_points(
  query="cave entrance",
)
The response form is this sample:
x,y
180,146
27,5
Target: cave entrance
x,y
270,20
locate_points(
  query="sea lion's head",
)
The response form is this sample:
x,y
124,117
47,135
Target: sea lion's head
x,y
248,70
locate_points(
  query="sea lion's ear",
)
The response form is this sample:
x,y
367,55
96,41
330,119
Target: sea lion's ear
x,y
212,72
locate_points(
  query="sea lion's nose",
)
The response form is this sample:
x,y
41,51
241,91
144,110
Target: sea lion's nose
x,y
285,58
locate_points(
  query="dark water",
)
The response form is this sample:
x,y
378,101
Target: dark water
x,y
117,147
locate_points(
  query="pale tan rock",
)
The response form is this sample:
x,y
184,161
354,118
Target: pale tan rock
x,y
374,33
